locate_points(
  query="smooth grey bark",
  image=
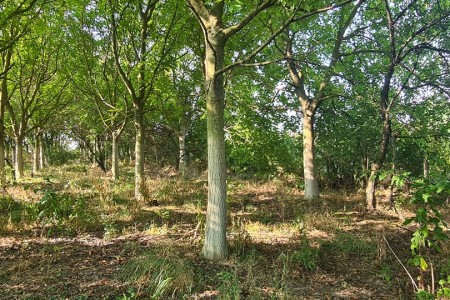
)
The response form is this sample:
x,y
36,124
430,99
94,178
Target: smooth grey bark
x,y
42,157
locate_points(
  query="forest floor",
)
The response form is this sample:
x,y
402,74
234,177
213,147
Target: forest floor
x,y
74,234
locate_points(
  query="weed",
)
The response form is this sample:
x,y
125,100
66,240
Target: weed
x,y
349,245
159,275
129,295
111,230
164,214
386,273
241,238
229,288
307,256
285,268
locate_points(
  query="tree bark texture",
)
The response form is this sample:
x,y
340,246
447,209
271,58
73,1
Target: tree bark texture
x,y
115,156
182,160
309,168
215,245
18,163
426,168
37,154
139,177
4,97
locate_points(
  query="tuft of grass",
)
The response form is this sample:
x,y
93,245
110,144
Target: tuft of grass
x,y
307,256
349,245
159,275
230,286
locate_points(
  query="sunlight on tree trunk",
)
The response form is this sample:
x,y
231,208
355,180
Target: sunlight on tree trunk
x,y
182,164
36,153
4,97
139,155
215,245
370,188
18,163
426,168
311,181
115,156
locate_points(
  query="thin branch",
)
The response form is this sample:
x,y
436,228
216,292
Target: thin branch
x,y
398,259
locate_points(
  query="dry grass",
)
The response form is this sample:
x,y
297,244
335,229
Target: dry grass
x,y
282,247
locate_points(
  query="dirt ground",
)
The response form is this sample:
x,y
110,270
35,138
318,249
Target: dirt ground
x,y
34,265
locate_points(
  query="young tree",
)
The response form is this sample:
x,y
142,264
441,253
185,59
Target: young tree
x,y
413,30
141,42
212,20
313,92
37,89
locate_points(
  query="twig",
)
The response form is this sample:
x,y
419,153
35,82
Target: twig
x,y
405,228
406,270
432,278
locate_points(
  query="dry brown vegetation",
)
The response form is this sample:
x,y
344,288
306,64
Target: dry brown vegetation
x,y
75,234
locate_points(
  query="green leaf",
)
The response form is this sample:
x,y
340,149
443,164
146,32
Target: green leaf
x,y
423,264
425,197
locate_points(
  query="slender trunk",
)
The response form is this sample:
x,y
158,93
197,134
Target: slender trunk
x,y
215,245
370,188
4,97
42,159
36,154
310,175
182,160
18,163
139,178
115,156
376,166
426,168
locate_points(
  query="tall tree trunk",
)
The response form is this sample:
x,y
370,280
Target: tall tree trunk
x,y
182,160
376,166
115,155
4,97
42,157
426,168
36,153
139,178
18,163
215,245
309,168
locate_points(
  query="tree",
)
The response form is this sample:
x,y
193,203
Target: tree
x,y
36,88
98,79
409,39
139,59
14,23
216,34
312,96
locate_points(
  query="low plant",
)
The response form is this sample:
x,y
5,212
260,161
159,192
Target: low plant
x,y
306,256
230,287
430,198
59,210
349,245
159,275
